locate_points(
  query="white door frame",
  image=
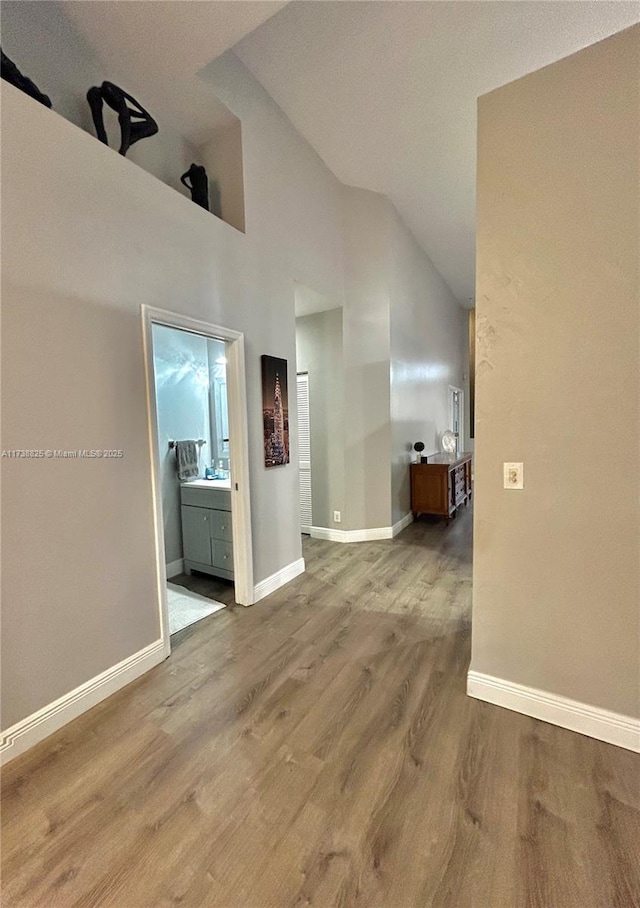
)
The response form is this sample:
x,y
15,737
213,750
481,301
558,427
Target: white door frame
x,y
239,453
304,375
460,414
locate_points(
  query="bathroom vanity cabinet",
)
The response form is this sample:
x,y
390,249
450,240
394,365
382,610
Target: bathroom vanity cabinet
x,y
206,528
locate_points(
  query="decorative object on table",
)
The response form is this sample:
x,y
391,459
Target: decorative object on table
x,y
187,458
135,122
419,447
449,442
197,182
275,411
10,73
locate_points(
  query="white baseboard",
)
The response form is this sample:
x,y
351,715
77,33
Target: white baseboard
x,y
402,524
370,535
331,535
275,581
41,724
614,728
174,568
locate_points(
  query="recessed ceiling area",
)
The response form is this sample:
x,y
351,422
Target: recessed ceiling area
x,y
386,93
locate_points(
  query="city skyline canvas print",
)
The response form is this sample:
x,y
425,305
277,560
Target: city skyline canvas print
x,y
275,411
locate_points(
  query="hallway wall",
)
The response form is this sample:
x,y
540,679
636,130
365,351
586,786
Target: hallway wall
x,y
404,343
87,238
556,580
366,338
319,351
428,338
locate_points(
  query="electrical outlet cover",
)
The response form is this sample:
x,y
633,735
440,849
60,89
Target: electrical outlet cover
x,y
513,476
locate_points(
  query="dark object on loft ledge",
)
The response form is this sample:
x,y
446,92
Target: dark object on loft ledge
x,y
198,185
10,73
135,122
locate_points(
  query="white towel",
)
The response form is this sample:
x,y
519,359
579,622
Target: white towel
x,y
187,456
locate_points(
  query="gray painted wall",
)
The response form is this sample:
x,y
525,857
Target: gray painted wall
x,y
366,332
556,579
319,351
404,343
428,337
87,238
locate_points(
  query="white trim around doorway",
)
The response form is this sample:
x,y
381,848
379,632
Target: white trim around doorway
x,y
461,415
239,454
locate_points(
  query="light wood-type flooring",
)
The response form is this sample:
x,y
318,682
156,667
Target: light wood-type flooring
x,y
319,750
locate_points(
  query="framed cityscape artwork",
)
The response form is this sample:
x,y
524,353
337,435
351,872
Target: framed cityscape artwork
x,y
275,411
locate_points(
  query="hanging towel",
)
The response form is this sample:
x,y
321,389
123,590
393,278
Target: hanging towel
x,y
187,456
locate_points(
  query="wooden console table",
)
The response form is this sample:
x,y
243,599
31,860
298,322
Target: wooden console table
x,y
442,485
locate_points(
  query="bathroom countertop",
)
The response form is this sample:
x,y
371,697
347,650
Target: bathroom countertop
x,y
207,484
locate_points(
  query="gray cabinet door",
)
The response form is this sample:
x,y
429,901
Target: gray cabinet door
x,y
220,527
196,535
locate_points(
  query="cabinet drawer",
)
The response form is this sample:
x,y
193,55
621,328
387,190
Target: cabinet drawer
x,y
220,525
206,498
222,554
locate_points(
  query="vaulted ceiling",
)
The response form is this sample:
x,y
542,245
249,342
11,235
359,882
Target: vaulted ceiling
x,y
386,93
384,90
160,46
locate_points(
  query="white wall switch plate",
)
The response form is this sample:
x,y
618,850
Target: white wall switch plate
x,y
337,516
513,476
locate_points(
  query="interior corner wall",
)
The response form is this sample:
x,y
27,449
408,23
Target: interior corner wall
x,y
556,579
404,343
320,354
366,338
222,157
87,237
428,338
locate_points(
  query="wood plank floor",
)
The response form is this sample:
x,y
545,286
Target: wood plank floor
x,y
319,749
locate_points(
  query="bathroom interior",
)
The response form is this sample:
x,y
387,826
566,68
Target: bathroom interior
x,y
193,436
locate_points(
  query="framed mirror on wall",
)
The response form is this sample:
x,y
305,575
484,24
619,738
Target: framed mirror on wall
x,y
219,391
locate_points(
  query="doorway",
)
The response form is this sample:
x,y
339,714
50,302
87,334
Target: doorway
x,y
215,486
456,416
304,453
